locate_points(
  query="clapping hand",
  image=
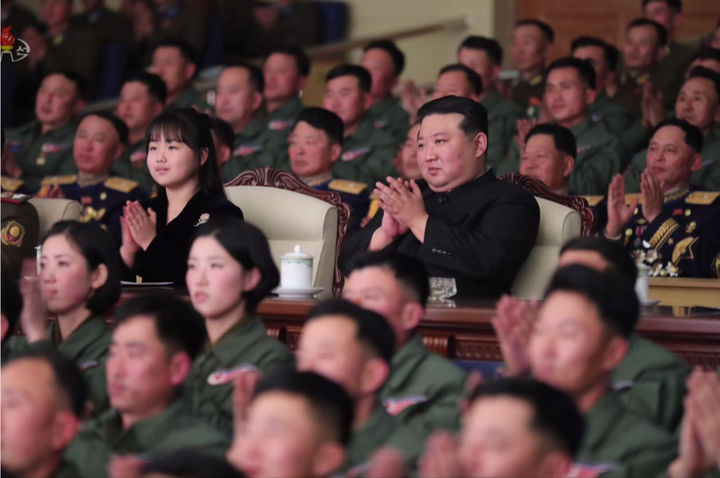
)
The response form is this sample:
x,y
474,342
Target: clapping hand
x,y
402,200
513,325
618,212
140,224
33,317
652,195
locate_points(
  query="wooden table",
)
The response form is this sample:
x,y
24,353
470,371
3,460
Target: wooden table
x,y
685,291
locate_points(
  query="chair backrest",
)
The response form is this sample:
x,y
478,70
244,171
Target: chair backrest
x,y
561,219
289,213
51,211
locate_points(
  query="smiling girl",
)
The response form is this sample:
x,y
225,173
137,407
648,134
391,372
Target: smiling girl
x,y
181,159
79,281
229,271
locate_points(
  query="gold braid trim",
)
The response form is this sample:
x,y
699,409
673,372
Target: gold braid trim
x,y
663,233
716,265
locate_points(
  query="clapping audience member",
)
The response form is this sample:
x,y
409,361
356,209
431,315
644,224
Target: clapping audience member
x,y
549,156
229,271
181,158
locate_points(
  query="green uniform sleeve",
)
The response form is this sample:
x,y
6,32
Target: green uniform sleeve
x,y
593,172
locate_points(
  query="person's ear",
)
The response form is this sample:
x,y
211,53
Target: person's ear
x,y
4,326
697,162
412,313
204,155
223,154
302,82
335,151
367,101
480,144
329,457
157,108
375,372
190,69
99,277
614,352
568,165
394,83
590,95
180,364
716,113
251,279
549,47
119,150
495,76
660,54
257,99
78,106
64,427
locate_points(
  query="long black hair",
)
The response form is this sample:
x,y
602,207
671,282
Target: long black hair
x,y
192,128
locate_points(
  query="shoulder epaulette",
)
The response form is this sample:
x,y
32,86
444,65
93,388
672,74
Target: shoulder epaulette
x,y
346,186
65,179
702,197
14,198
535,80
10,184
121,184
594,200
629,198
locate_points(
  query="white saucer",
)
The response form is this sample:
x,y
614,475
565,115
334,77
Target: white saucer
x,y
650,302
285,293
145,284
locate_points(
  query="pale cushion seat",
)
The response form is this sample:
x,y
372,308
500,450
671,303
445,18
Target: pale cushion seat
x,y
51,211
288,218
558,224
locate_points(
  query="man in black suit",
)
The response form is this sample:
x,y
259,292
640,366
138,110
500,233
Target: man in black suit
x,y
460,221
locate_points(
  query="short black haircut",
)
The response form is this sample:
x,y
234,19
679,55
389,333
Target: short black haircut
x,y
659,29
363,76
177,324
118,125
584,69
373,330
155,85
702,72
408,271
693,135
708,53
187,51
546,29
554,413
74,77
472,77
611,251
11,303
69,380
328,401
97,247
488,45
389,47
563,138
223,131
610,52
248,246
325,120
475,118
609,291
302,61
255,74
674,4
190,463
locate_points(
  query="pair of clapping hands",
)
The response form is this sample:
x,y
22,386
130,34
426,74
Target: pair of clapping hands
x,y
620,213
403,206
138,230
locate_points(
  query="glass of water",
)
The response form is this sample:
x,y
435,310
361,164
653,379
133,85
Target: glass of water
x,y
442,289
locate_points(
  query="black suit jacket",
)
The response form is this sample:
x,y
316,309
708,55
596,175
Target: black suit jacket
x,y
479,233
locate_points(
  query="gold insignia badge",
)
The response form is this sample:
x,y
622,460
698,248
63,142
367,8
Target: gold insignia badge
x,y
13,234
690,227
103,196
628,232
40,161
688,212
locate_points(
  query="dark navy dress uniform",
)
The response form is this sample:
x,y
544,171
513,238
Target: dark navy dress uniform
x,y
101,200
165,259
353,193
480,233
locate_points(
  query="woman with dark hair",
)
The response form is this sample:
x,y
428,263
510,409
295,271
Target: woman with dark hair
x,y
78,281
229,271
181,159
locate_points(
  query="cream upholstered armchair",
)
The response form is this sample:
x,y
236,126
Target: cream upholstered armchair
x,y
561,219
289,213
51,211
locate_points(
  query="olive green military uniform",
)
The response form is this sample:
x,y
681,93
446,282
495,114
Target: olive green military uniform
x,y
106,26
503,115
630,92
423,388
191,98
250,149
175,428
73,49
181,21
650,381
279,125
382,430
87,346
132,165
245,346
41,155
389,115
705,178
618,443
367,155
670,73
597,161
612,115
20,230
527,93
65,470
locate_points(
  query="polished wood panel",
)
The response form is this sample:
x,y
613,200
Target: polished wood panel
x,y
685,291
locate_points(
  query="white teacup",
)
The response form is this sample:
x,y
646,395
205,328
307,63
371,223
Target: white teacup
x,y
296,269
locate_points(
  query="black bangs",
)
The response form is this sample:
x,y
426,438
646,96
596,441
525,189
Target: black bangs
x,y
171,127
